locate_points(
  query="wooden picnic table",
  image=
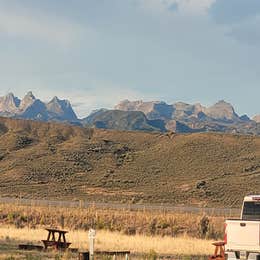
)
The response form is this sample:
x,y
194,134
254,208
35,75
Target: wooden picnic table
x,y
58,242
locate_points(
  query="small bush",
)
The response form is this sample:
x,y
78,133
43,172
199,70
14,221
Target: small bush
x,y
203,226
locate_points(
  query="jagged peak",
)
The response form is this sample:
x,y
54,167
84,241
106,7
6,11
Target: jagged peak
x,y
222,110
10,94
198,104
223,103
55,99
28,98
29,95
9,103
181,103
256,118
135,104
33,108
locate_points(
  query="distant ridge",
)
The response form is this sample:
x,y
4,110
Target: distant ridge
x,y
32,108
182,117
136,115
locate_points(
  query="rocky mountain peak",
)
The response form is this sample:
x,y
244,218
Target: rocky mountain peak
x,y
222,110
61,103
30,95
148,107
9,103
32,108
222,104
127,105
61,109
199,108
27,101
9,95
55,99
256,118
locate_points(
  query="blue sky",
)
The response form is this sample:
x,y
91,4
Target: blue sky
x,y
98,52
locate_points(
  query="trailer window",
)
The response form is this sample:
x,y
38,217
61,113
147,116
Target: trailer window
x,y
251,210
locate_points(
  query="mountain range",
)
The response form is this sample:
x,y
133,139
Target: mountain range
x,y
32,108
138,115
178,117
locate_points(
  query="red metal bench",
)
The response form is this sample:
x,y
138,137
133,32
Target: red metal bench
x,y
219,253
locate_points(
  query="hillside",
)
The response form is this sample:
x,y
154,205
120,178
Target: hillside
x,y
47,160
123,120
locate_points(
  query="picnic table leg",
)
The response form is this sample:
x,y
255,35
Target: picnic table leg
x,y
53,236
59,239
64,239
49,235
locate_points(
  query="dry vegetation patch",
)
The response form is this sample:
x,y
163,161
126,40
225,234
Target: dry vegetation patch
x,y
115,241
125,221
206,169
145,233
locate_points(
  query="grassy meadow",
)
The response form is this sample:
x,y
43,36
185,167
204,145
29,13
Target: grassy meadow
x,y
115,241
147,234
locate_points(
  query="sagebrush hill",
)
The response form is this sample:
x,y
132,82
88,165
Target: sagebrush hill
x,y
50,160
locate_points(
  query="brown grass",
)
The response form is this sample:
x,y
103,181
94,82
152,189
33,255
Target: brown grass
x,y
142,232
141,222
47,160
115,241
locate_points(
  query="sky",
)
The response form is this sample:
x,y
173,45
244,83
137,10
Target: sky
x,y
98,52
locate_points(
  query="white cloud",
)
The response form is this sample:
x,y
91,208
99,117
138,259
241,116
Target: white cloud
x,y
197,7
194,6
84,102
53,30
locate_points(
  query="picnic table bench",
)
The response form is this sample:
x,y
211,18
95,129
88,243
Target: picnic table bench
x,y
54,241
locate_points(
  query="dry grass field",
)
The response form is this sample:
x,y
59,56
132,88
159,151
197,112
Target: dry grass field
x,y
115,241
147,234
47,160
128,222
